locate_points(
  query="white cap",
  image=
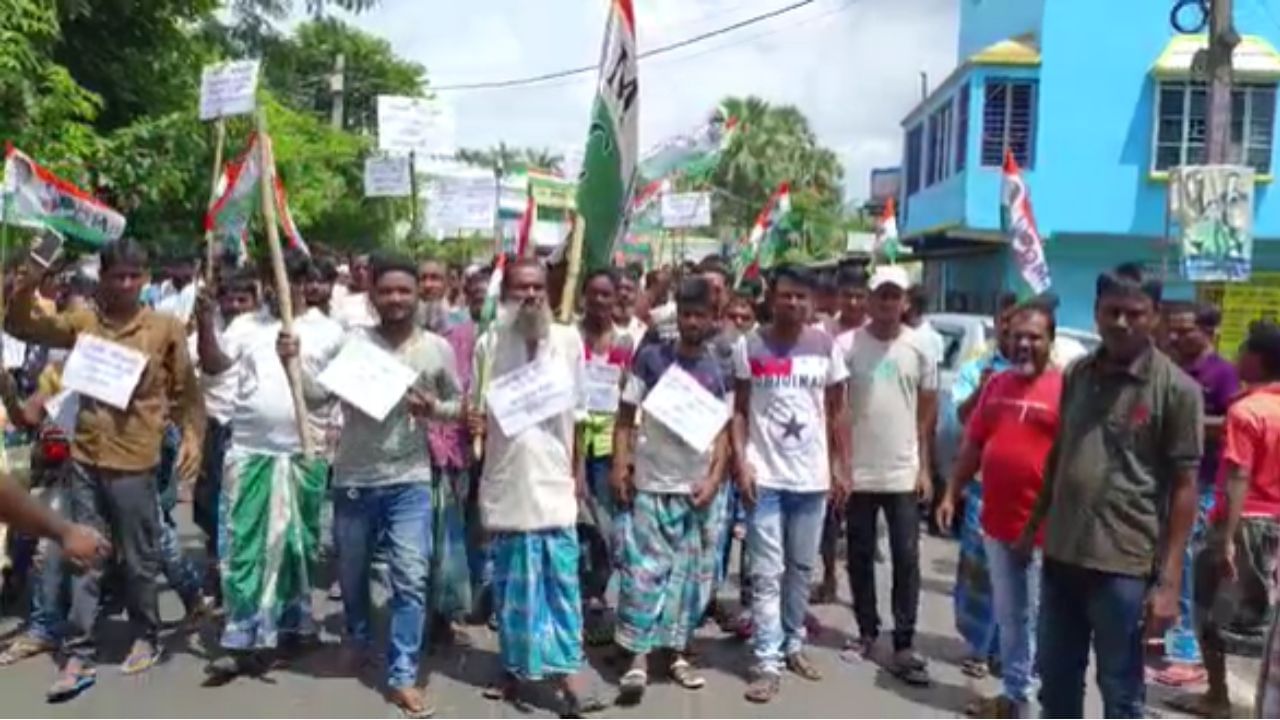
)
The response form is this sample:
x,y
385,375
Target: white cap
x,y
890,275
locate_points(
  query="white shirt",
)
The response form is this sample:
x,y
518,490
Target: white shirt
x,y
528,480
931,340
178,303
263,419
634,329
354,311
220,389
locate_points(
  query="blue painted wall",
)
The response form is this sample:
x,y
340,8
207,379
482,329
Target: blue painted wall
x,y
983,22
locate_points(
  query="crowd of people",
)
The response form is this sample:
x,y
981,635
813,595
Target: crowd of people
x,y
1100,499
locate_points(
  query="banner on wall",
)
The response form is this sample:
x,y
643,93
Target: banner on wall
x,y
1212,206
1242,303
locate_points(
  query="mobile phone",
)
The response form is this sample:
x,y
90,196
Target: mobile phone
x,y
46,249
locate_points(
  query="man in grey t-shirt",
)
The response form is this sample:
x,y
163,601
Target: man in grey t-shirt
x,y
893,381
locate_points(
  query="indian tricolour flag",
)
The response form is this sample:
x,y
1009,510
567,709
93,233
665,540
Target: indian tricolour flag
x,y
886,238
1020,223
36,198
609,163
493,293
228,218
763,246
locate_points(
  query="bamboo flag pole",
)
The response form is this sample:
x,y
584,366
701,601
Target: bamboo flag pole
x,y
573,272
284,296
219,145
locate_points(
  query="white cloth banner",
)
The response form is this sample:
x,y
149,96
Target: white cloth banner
x,y
368,377
686,210
387,177
680,403
228,89
103,370
461,203
417,125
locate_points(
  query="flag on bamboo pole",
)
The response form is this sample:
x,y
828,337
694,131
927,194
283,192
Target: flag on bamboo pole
x,y
36,198
886,239
228,218
1020,224
493,293
526,226
764,245
287,224
609,163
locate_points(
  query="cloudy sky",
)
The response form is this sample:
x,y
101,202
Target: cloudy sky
x,y
852,66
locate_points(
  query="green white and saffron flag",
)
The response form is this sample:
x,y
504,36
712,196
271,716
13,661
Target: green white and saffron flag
x,y
239,197
36,198
609,163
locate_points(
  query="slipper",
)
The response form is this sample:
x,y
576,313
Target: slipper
x,y
415,706
631,687
27,646
910,668
682,672
71,684
141,658
1179,675
975,667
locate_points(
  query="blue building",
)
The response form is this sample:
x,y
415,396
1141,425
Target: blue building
x,y
1096,100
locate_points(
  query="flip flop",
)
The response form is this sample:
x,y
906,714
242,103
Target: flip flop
x,y
424,708
632,686
1179,675
141,658
22,648
682,672
975,667
70,684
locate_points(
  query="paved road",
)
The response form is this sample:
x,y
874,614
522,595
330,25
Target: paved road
x,y
312,688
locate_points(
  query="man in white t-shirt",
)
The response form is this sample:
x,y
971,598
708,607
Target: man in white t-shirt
x,y
789,440
353,309
893,391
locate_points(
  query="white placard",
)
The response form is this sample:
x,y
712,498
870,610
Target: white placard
x,y
15,351
62,410
680,403
418,125
387,177
461,203
103,370
603,385
228,89
368,377
686,210
530,394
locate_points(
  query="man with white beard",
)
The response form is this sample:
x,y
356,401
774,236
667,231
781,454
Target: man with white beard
x,y
530,487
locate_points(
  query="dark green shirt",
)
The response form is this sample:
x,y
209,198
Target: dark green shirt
x,y
1124,434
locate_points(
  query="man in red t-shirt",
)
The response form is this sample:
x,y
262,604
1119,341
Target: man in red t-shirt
x,y
1233,568
1007,437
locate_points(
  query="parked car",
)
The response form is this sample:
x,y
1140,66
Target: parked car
x,y
965,337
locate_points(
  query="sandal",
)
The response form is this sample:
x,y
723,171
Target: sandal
x,y
141,658
800,664
859,650
632,686
975,667
683,673
26,646
412,702
910,668
764,687
74,680
1179,675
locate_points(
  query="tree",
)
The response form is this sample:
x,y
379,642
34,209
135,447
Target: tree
x,y
510,158
774,144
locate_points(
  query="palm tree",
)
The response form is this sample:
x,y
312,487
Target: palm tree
x,y
507,158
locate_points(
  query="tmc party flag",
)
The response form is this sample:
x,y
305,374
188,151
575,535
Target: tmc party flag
x,y
764,246
886,238
609,163
1020,224
34,197
228,218
694,154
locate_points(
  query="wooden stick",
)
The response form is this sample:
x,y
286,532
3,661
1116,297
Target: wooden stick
x,y
210,252
573,272
283,293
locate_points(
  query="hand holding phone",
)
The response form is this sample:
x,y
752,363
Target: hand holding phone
x,y
46,249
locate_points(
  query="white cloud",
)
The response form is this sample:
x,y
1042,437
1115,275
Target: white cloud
x,y
852,66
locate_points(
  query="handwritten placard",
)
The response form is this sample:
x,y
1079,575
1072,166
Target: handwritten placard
x,y
228,89
387,177
409,124
603,385
686,408
368,377
103,370
530,394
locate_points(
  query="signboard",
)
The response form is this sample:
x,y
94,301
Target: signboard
x,y
417,125
461,203
1242,303
228,88
885,183
553,192
1212,206
686,210
387,177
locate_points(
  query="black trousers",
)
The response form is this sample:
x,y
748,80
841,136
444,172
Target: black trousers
x,y
902,514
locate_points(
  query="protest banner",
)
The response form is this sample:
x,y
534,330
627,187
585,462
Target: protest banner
x,y
1243,303
528,395
414,125
463,202
103,370
686,210
1212,206
36,198
387,177
228,88
681,404
369,378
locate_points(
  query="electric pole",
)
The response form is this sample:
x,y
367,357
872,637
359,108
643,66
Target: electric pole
x,y
337,85
1222,43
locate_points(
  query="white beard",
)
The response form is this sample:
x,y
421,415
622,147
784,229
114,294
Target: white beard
x,y
527,324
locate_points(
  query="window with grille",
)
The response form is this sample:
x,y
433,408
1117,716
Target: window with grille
x,y
1182,125
940,134
962,127
915,151
1008,121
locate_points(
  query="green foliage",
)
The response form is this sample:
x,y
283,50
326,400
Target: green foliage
x,y
510,158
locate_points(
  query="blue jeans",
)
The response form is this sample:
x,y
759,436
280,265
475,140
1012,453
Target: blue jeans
x,y
1015,596
1180,643
395,519
1077,606
786,529
50,581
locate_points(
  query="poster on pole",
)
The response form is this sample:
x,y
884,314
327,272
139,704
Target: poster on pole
x,y
686,210
1212,206
461,203
228,88
387,177
418,125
